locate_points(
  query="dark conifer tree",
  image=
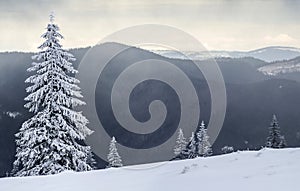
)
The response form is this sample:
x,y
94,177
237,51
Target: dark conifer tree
x,y
275,139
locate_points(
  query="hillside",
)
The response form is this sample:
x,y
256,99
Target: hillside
x,y
249,104
269,169
281,67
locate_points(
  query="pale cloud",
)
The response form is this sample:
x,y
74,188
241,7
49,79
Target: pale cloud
x,y
225,43
218,24
279,39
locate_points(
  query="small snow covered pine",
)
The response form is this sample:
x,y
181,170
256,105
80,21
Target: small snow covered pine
x,y
283,143
113,157
275,139
203,146
180,143
227,149
192,147
189,151
198,145
47,143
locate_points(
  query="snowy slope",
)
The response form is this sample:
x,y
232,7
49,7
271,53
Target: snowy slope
x,y
275,170
268,54
282,67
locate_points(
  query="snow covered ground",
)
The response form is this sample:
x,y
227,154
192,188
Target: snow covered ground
x,y
266,169
282,67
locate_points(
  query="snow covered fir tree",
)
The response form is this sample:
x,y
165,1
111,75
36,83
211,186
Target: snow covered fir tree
x,y
187,151
113,157
275,139
48,142
203,147
198,145
180,143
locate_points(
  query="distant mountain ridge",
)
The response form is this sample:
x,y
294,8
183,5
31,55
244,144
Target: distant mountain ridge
x,y
267,54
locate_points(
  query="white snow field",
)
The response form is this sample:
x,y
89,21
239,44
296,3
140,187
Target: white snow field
x,y
267,169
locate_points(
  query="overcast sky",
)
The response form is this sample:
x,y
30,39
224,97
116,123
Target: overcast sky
x,y
218,24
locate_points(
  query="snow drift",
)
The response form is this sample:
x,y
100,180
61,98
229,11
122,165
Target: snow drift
x,y
269,169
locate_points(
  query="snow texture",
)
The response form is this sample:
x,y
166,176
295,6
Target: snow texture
x,y
274,169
